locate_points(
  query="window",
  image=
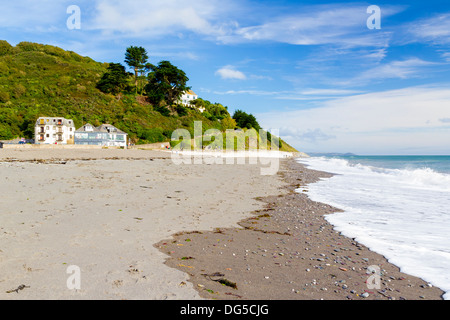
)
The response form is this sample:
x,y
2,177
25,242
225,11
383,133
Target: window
x,y
47,135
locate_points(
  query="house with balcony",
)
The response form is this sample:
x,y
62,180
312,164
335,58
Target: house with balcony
x,y
105,135
54,130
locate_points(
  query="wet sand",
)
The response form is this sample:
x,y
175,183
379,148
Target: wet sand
x,y
288,251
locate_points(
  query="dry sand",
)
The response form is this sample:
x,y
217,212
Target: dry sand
x,y
105,216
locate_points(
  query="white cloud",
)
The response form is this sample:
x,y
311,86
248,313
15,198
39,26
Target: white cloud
x,y
435,29
229,73
160,17
327,92
317,25
37,16
399,69
390,121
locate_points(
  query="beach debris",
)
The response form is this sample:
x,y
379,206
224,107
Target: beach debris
x,y
133,270
19,288
118,283
227,283
187,258
221,280
215,274
232,294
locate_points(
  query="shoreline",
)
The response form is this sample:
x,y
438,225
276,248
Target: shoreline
x,y
288,251
106,211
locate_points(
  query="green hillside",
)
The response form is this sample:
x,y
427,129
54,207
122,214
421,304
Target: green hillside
x,y
42,80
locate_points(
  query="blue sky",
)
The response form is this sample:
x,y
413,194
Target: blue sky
x,y
312,69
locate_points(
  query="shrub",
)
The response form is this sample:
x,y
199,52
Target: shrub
x,y
153,135
163,110
4,96
181,110
5,48
19,90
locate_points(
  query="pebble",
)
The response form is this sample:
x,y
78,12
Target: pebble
x,y
365,295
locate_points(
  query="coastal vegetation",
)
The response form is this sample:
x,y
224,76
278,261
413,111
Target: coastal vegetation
x,y
43,80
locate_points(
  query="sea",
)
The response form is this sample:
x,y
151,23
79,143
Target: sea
x,y
398,206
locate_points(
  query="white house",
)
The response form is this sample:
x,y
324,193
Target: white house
x,y
105,135
54,131
187,97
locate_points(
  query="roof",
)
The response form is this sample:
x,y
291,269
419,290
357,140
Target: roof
x,y
191,92
51,120
83,128
108,128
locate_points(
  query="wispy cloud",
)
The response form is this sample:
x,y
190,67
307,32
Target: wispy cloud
x,y
317,25
157,18
39,16
435,29
389,120
399,69
328,92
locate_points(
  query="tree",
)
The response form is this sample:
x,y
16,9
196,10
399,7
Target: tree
x,y
228,123
136,58
114,80
244,120
166,83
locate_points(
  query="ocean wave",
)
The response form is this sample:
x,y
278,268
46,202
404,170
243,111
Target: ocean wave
x,y
414,177
402,214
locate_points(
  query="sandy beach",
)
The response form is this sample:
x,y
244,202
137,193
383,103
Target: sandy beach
x,y
103,211
140,227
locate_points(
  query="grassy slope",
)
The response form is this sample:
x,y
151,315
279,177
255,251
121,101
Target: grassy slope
x,y
41,80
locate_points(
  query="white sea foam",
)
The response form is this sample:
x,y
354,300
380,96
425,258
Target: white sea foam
x,y
402,214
